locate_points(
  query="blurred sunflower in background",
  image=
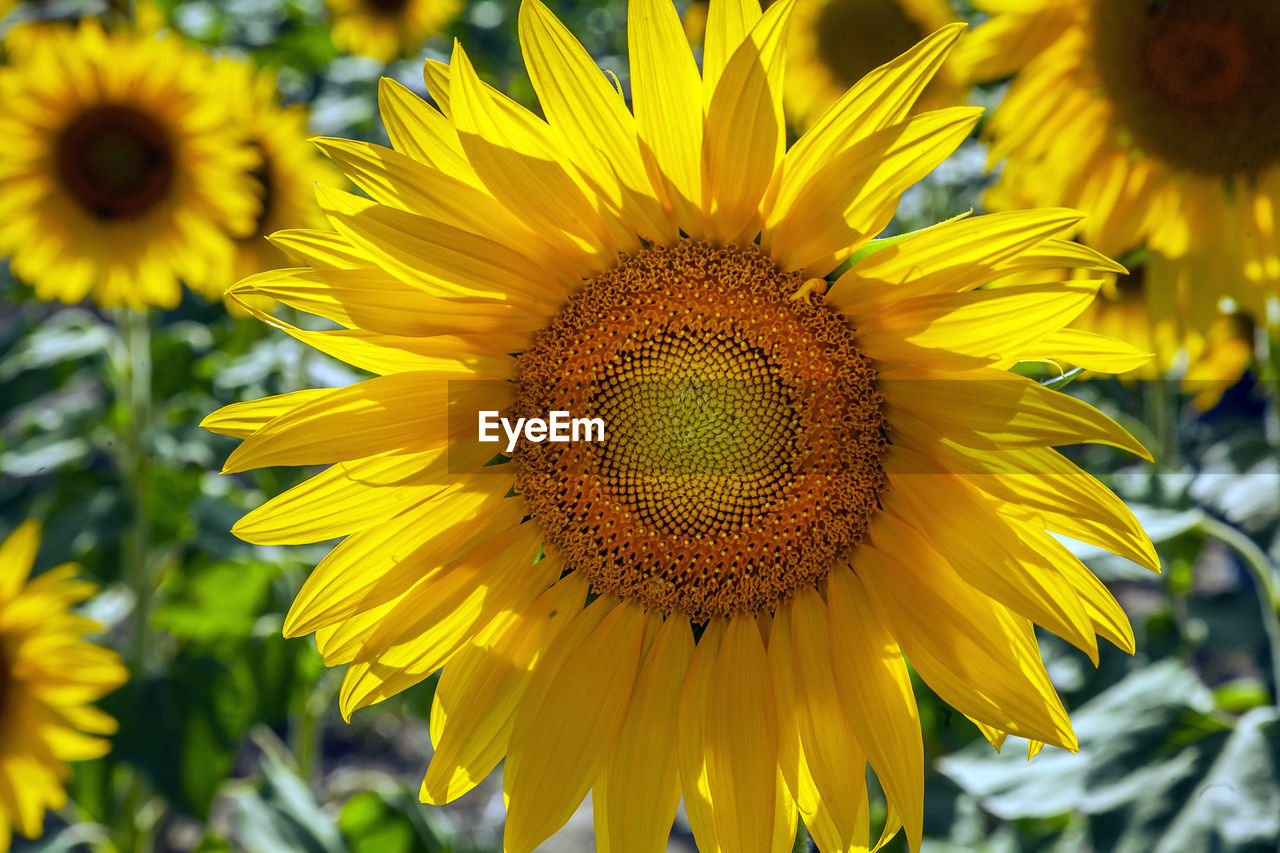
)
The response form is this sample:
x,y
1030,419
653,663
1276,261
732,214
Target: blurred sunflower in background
x,y
1161,120
49,676
816,463
123,169
285,177
835,42
388,29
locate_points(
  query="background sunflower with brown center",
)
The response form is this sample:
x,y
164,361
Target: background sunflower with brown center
x,y
1161,120
122,171
388,29
817,464
49,678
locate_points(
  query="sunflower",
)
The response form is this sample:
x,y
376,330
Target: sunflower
x,y
835,42
1161,120
49,675
388,29
121,170
803,481
285,176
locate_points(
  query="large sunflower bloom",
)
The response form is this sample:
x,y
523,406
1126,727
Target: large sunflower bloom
x,y
121,172
835,42
1162,122
49,675
387,29
794,491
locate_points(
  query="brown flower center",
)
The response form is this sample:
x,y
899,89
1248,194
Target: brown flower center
x,y
264,176
857,36
389,8
742,432
1195,82
116,161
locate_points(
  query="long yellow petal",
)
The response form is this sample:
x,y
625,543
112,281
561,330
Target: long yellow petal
x,y
418,130
440,614
728,23
375,565
976,655
875,689
478,704
691,744
827,737
344,498
1002,565
989,409
641,787
881,98
592,121
241,420
17,556
513,153
403,412
745,131
666,97
852,198
559,744
741,740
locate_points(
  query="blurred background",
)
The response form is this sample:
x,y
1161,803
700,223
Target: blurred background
x,y
230,738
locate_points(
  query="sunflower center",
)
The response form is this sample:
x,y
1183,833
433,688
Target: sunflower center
x,y
265,178
856,36
1195,81
116,161
742,432
386,7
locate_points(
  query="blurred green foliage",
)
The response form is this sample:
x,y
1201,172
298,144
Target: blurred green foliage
x,y
230,738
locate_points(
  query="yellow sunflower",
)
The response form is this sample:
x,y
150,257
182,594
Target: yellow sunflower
x,y
121,171
801,483
285,177
835,42
1161,120
387,29
49,675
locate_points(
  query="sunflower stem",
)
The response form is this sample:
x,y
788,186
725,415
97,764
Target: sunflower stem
x,y
135,465
1161,404
1266,577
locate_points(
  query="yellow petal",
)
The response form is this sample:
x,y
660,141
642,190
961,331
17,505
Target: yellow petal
x,y
403,412
478,703
640,789
875,687
745,130
728,23
1001,565
241,420
441,613
989,324
513,153
340,500
740,739
827,738
881,98
665,93
319,249
559,743
976,655
853,196
378,564
17,556
591,119
991,409
691,734
417,130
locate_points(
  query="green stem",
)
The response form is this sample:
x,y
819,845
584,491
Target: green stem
x,y
138,568
1161,403
1266,577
